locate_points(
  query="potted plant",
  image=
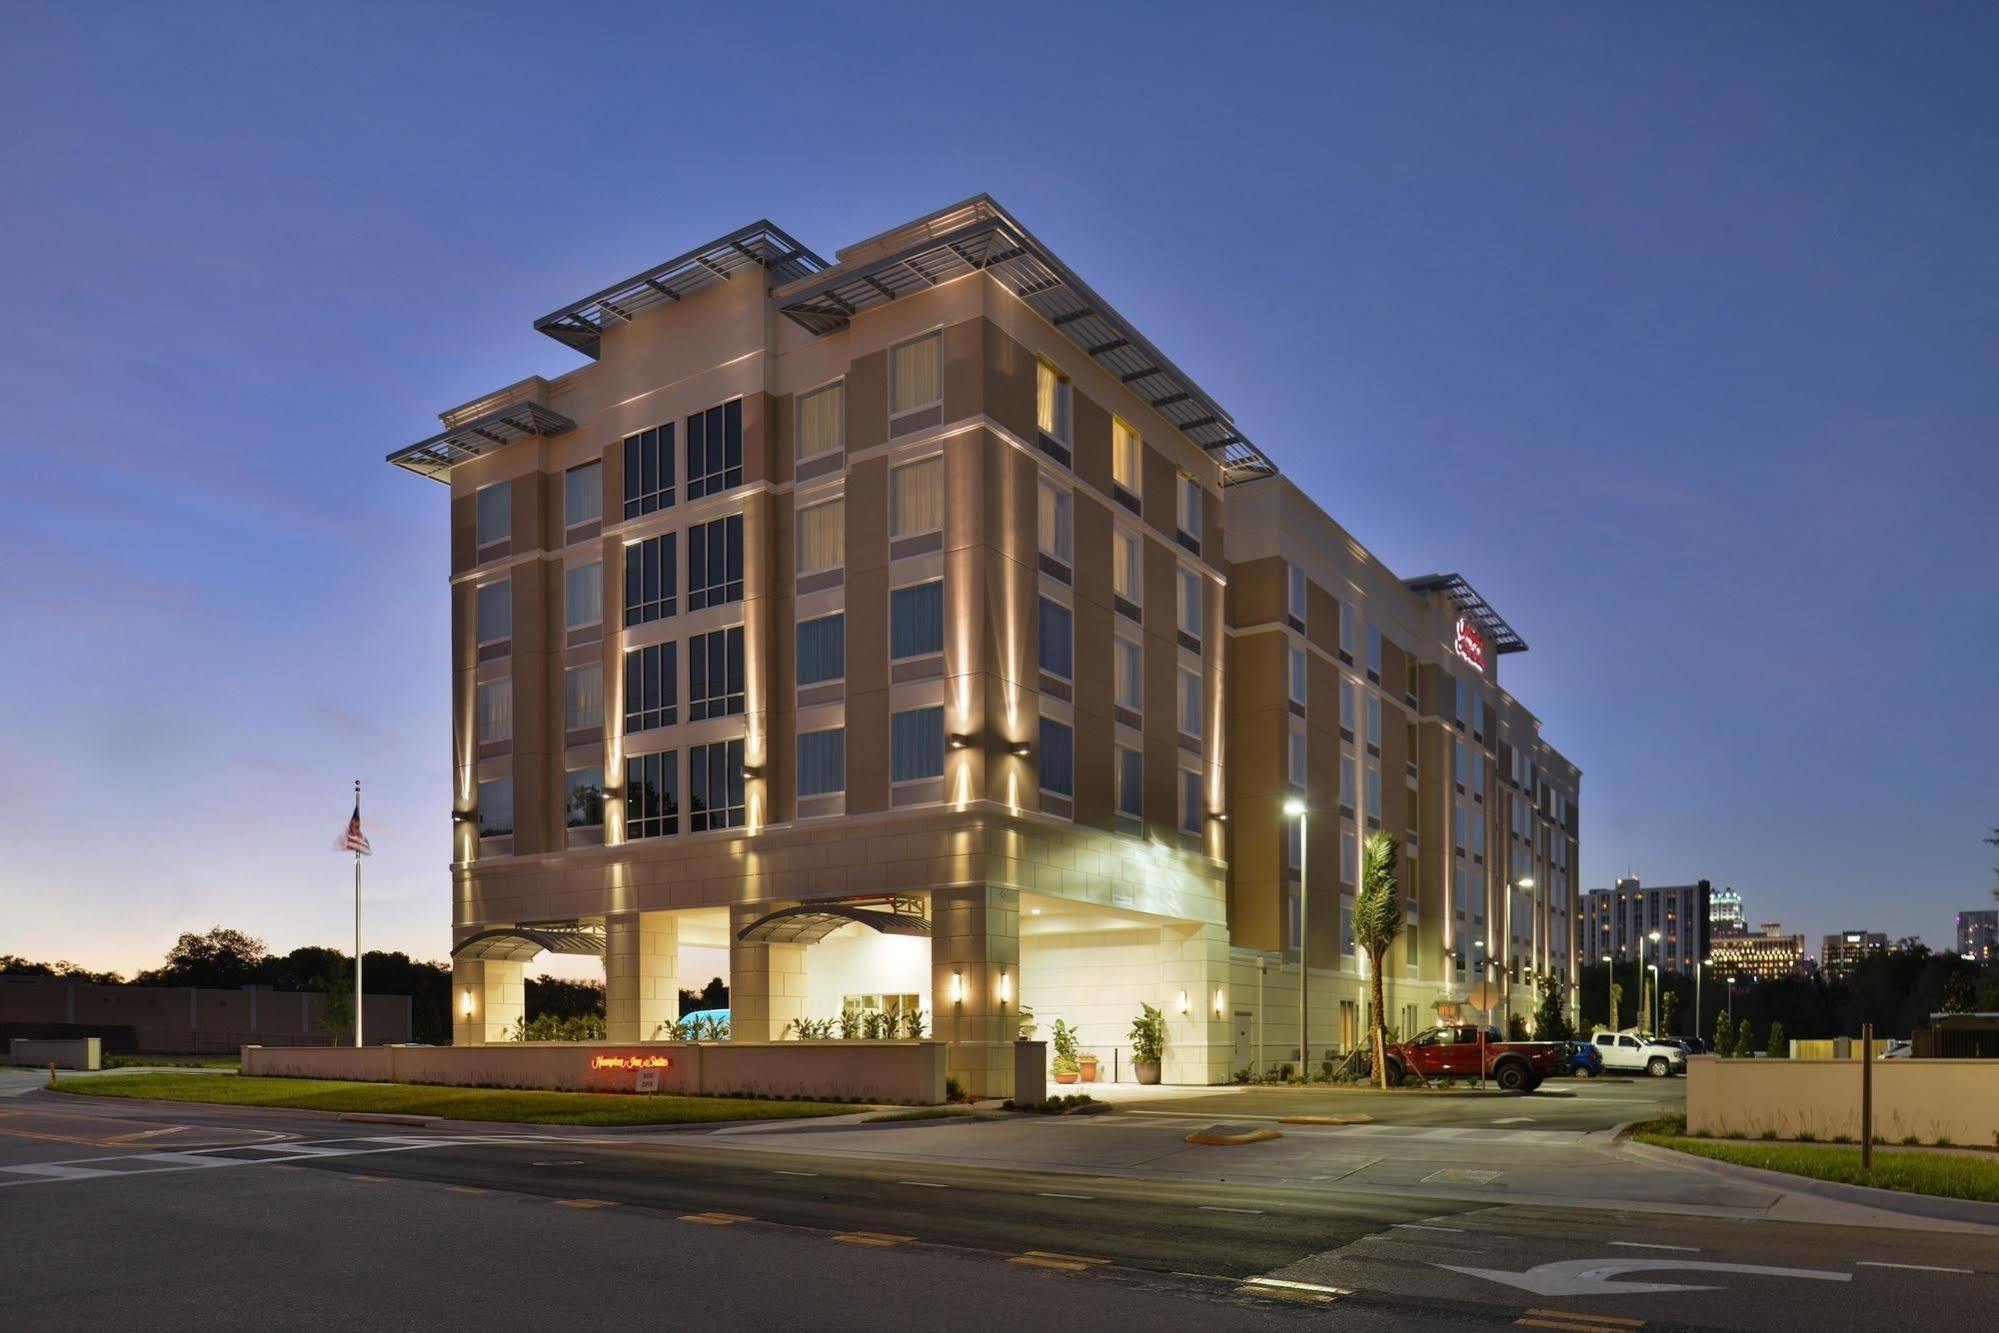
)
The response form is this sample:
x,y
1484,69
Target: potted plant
x,y
1090,1066
1066,1063
1148,1042
1026,1023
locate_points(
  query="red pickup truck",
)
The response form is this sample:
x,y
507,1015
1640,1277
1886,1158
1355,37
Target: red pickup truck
x,y
1454,1051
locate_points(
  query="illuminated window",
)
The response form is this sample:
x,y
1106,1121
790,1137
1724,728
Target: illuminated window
x,y
583,697
822,537
494,612
1127,458
822,762
583,798
496,808
1127,566
715,563
1129,672
496,711
715,786
916,374
1052,407
582,495
495,513
822,421
916,745
1055,521
715,674
1058,758
916,620
651,576
822,649
1130,781
652,795
652,687
916,498
583,595
649,471
1191,707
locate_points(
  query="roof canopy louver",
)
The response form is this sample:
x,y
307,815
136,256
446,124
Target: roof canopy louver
x,y
978,235
1473,608
813,922
437,455
521,944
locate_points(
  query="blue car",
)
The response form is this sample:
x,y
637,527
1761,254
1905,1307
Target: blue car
x,y
1582,1060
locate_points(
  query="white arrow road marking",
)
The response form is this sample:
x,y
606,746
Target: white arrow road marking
x,y
1596,1277
1516,1120
1915,1268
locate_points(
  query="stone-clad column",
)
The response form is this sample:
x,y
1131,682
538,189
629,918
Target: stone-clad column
x,y
974,942
766,982
641,974
487,998
1195,959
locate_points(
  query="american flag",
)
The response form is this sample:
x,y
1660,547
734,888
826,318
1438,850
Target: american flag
x,y
354,840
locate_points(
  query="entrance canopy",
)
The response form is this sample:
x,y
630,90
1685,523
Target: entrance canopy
x,y
810,923
521,944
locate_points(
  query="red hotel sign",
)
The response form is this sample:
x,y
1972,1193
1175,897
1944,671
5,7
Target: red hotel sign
x,y
1471,644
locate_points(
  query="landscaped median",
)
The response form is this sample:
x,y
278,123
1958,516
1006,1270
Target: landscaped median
x,y
520,1107
1948,1175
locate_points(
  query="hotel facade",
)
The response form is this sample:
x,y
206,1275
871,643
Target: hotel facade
x,y
906,634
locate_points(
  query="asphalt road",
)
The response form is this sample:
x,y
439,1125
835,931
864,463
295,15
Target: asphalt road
x,y
181,1216
1570,1103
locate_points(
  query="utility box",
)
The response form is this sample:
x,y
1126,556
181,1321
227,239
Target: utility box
x,y
1030,1071
62,1052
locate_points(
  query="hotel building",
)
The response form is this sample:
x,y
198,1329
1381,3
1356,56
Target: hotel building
x,y
906,633
1615,921
1767,955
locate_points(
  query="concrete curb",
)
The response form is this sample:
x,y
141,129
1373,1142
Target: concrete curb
x,y
1230,1135
1928,1206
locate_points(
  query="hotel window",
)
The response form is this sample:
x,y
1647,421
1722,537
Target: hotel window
x,y
822,649
822,421
1130,782
1373,792
1349,857
494,613
1297,756
916,620
652,687
1190,703
916,745
1349,631
1189,508
1458,705
715,563
583,798
1478,714
1478,771
1464,763
1458,886
1052,406
822,537
715,786
916,374
715,674
1190,602
649,471
715,450
1346,929
1193,804
1295,683
496,808
583,697
583,595
651,574
1058,640
1058,758
1127,567
582,495
1349,782
1055,521
1460,828
496,711
652,795
822,762
496,513
1347,707
1478,837
916,498
1129,666
1294,597
1127,458
1374,720
1374,653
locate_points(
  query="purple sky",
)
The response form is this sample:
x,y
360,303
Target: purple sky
x,y
1674,329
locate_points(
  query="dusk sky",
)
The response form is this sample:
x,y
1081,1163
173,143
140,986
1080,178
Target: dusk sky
x,y
1674,328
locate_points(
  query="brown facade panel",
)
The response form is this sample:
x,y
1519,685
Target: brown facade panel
x,y
1257,592
1009,383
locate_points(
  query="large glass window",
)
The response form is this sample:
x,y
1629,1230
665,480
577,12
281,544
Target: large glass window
x,y
916,374
715,674
715,786
496,513
583,595
1127,566
1130,781
916,620
1349,782
1127,457
1190,506
715,562
496,808
1193,802
1191,709
583,697
1055,524
1374,719
1349,630
649,470
583,495
916,498
715,450
822,421
583,798
496,711
822,649
1190,602
1296,756
652,795
1374,650
495,611
1348,706
1373,792
916,745
1294,596
1130,673
652,687
822,762
1051,402
822,537
1058,640
1058,758
651,575
1295,683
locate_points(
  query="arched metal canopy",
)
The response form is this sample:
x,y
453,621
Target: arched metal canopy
x,y
813,922
521,944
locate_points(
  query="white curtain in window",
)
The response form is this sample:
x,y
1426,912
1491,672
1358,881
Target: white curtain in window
x,y
1055,504
822,537
1125,455
916,374
496,711
583,696
820,421
916,498
583,595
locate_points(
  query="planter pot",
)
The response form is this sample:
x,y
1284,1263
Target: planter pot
x,y
1147,1070
1065,1076
1089,1069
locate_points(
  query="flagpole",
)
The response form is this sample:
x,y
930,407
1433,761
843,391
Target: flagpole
x,y
357,924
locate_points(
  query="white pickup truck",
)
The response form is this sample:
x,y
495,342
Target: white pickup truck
x,y
1629,1053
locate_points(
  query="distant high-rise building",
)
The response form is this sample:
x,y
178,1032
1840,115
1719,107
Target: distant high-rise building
x,y
1724,913
1615,920
1978,935
1844,950
1767,955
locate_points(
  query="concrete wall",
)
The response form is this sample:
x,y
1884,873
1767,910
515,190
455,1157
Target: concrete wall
x,y
866,1071
1931,1099
62,1052
185,1019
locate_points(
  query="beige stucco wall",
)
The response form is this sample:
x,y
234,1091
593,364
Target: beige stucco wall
x,y
1956,1100
868,1071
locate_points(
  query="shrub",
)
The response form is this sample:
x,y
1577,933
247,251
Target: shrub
x,y
912,1024
1148,1035
1780,1046
954,1091
1745,1041
1063,1038
559,1027
1516,1028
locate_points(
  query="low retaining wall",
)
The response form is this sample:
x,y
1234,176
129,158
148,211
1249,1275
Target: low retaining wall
x,y
866,1071
62,1052
1956,1100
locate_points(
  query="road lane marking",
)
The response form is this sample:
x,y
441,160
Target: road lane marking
x,y
924,1184
1216,1208
1593,1318
1304,1293
1644,1245
1568,1326
1299,1286
1598,1277
872,1238
1418,1226
797,1173
1516,1120
1067,1263
584,1203
717,1219
458,1189
1050,1194
1914,1268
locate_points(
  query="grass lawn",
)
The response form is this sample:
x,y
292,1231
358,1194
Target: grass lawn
x,y
172,1062
1911,1171
534,1108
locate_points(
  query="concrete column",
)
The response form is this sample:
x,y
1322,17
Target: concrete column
x,y
495,995
766,982
974,942
641,974
1194,959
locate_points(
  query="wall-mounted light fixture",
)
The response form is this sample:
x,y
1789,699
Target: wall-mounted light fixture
x,y
463,816
958,740
1221,1002
1021,749
1183,1002
1219,816
957,988
1005,988
753,770
465,1004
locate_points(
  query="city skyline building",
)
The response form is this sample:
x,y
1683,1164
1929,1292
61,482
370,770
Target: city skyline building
x,y
1844,950
1978,934
1617,920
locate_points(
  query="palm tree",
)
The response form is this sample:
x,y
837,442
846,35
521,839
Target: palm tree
x,y
1377,922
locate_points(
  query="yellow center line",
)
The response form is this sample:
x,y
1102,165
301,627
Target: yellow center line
x,y
1569,1326
872,1238
716,1219
467,1189
1593,1318
584,1203
1283,1294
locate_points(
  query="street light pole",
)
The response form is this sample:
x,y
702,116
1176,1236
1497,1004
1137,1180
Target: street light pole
x,y
1700,966
1655,999
1295,809
1651,1012
1609,985
1731,1001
